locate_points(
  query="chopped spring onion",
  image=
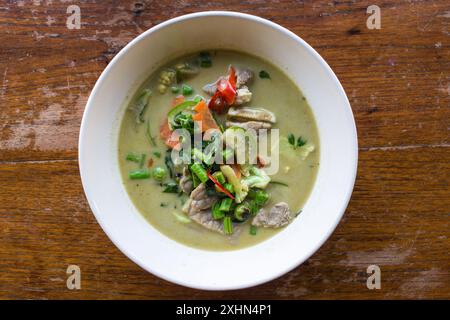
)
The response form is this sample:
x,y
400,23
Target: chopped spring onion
x,y
227,225
253,230
198,170
139,174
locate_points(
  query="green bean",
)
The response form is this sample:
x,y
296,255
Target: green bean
x,y
139,174
225,205
229,187
261,197
241,210
217,214
133,157
227,225
218,175
200,172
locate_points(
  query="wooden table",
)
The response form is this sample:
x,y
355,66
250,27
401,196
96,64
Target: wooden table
x,y
397,79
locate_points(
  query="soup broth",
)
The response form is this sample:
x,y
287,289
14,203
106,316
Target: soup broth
x,y
270,89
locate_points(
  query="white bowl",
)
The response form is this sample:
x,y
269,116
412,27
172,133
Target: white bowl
x,y
138,239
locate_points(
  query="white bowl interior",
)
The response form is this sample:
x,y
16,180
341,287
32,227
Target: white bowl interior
x,y
171,260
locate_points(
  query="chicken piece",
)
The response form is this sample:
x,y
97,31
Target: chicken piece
x,y
186,184
254,125
255,114
278,216
205,219
198,200
244,76
243,95
198,209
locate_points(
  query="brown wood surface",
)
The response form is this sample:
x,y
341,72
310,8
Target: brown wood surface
x,y
398,83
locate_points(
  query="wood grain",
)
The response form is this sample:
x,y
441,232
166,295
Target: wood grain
x,y
398,83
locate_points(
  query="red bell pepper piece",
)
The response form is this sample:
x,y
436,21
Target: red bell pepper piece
x,y
227,91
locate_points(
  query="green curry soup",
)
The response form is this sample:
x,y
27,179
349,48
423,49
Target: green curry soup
x,y
208,205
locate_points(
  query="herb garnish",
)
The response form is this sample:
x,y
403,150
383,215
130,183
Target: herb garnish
x,y
263,74
296,143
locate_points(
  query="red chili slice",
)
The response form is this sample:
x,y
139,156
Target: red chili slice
x,y
220,186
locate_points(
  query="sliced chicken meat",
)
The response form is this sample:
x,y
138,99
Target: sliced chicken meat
x,y
244,76
252,114
243,95
198,200
278,216
198,209
186,184
205,219
254,125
